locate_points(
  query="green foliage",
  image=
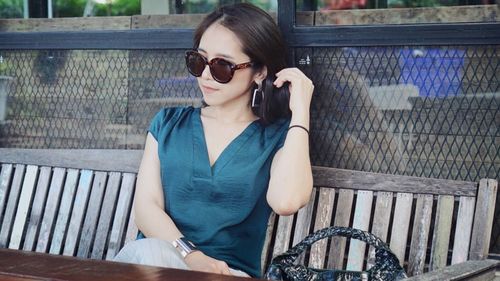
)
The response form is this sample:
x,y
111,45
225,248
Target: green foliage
x,y
69,8
5,66
11,9
118,8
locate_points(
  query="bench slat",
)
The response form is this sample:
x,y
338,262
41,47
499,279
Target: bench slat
x,y
23,206
106,216
342,218
323,219
283,232
56,245
49,215
85,159
304,219
78,212
265,256
121,215
5,178
420,235
15,192
483,219
463,230
400,224
132,230
362,215
328,177
37,209
381,219
92,215
303,222
442,231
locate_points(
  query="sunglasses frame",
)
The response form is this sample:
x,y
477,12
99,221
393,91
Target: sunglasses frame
x,y
233,67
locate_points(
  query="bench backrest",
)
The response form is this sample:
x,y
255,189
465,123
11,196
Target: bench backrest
x,y
428,223
78,202
74,203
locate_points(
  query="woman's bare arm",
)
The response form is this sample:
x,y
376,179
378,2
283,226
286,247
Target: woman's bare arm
x,y
150,216
291,181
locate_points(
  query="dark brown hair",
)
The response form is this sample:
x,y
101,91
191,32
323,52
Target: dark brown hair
x,y
263,44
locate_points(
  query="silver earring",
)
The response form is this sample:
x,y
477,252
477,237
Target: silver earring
x,y
257,97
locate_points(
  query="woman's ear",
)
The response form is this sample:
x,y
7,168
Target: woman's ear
x,y
260,75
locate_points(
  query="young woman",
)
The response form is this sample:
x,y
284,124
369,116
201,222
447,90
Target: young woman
x,y
211,176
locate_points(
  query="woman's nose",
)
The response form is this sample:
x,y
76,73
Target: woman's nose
x,y
206,73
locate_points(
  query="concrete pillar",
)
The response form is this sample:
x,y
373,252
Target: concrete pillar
x,y
155,7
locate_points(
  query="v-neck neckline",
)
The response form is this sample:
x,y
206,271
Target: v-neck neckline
x,y
200,148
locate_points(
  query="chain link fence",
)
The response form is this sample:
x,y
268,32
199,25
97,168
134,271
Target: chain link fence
x,y
420,111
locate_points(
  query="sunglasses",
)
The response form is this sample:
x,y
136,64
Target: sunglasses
x,y
222,71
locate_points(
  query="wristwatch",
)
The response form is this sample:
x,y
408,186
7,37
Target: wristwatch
x,y
184,246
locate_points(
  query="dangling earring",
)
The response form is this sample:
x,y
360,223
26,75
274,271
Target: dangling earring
x,y
258,96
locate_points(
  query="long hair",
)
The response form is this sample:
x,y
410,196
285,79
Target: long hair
x,y
263,44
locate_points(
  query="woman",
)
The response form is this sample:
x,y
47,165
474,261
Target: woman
x,y
210,176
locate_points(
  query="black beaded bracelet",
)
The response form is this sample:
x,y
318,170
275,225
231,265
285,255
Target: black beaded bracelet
x,y
298,126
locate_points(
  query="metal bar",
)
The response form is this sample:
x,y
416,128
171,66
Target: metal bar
x,y
390,35
49,9
105,40
286,22
26,12
286,16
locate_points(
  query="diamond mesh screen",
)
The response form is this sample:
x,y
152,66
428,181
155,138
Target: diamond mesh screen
x,y
421,111
427,112
89,99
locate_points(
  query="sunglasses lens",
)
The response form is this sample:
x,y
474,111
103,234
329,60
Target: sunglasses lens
x,y
221,70
195,63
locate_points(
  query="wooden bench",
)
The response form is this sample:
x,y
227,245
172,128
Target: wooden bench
x,y
78,202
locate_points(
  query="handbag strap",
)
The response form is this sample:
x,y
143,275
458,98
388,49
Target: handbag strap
x,y
386,263
348,232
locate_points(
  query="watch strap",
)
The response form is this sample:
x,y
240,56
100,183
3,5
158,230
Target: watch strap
x,y
184,246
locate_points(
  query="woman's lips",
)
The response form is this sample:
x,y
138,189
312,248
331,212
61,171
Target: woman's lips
x,y
208,90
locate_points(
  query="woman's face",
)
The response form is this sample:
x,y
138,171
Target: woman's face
x,y
220,42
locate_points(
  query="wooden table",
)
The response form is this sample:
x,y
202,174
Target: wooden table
x,y
18,265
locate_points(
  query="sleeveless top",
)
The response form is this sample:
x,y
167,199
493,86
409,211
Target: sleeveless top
x,y
222,208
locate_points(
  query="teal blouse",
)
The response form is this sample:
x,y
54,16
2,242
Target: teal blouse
x,y
222,208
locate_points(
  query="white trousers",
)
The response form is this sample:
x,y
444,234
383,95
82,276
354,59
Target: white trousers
x,y
156,252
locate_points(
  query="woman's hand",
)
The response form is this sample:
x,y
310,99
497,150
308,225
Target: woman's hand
x,y
301,89
198,261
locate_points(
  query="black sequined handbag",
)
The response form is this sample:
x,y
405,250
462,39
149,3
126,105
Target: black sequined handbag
x,y
386,268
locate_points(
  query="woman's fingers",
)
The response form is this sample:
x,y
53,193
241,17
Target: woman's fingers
x,y
223,268
290,75
201,262
286,75
301,88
